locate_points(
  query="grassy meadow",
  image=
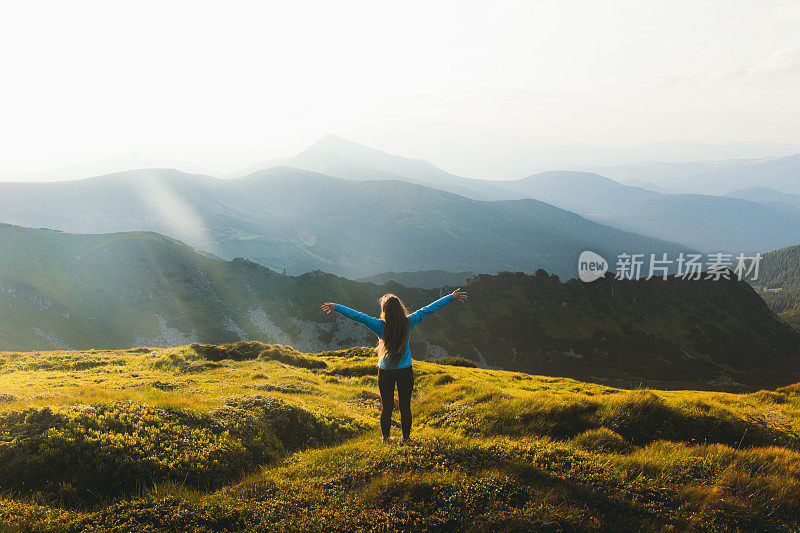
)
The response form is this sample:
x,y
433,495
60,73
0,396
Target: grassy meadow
x,y
259,437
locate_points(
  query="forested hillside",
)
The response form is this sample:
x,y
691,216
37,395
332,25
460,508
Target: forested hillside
x,y
61,290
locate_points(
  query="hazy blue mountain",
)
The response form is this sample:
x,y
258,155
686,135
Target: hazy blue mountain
x,y
715,177
649,185
302,221
185,206
709,223
336,147
275,216
339,157
766,195
704,222
672,177
330,151
597,158
353,172
391,225
109,165
119,290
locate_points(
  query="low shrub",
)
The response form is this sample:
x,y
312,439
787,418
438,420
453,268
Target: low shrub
x,y
369,381
492,396
176,361
640,417
768,396
238,351
602,440
287,388
643,417
288,356
356,351
74,456
77,455
455,361
368,395
294,427
790,390
547,415
72,363
140,349
444,379
163,385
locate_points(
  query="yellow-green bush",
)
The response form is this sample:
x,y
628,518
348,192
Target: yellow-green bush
x,y
294,427
602,440
238,351
289,356
640,417
79,454
455,361
349,353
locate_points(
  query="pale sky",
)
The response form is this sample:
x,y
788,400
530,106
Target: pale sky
x,y
478,88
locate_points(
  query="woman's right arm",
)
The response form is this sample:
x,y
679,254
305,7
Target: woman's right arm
x,y
417,316
374,324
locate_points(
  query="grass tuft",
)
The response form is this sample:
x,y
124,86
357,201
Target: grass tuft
x,y
455,361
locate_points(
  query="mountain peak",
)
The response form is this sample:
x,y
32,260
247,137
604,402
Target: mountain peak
x,y
334,143
574,177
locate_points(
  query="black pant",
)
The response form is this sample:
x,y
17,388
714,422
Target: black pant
x,y
404,377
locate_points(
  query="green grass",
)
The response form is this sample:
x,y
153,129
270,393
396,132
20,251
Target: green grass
x,y
261,437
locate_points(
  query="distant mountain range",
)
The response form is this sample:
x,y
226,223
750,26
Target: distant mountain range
x,y
766,195
356,211
748,223
339,157
61,290
287,218
714,177
701,221
596,158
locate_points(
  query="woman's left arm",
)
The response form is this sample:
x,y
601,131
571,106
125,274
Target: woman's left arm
x,y
374,324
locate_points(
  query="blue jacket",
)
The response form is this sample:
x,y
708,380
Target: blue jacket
x,y
376,325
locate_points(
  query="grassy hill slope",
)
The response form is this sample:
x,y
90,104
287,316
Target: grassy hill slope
x,y
61,291
255,437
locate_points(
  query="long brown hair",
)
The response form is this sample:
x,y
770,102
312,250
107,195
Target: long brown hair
x,y
392,345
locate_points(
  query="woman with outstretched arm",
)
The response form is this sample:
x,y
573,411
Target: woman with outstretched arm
x,y
393,329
